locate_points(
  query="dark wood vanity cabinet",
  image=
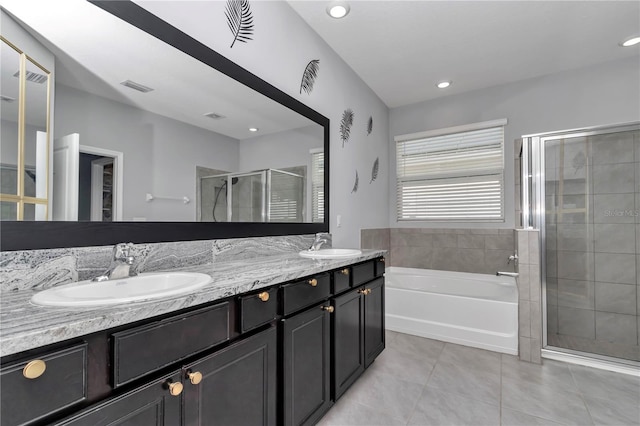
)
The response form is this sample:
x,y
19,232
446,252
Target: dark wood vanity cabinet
x,y
234,386
152,404
280,355
306,366
373,320
347,355
37,387
357,325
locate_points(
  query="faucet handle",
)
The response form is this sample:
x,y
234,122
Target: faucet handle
x,y
121,252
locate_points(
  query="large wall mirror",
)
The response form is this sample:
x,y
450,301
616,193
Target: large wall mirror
x,y
156,137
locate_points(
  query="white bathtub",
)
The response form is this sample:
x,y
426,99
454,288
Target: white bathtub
x,y
458,307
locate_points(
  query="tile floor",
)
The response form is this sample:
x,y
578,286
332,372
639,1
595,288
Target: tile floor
x,y
418,381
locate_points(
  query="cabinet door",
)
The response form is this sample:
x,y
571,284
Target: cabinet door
x,y
374,320
306,359
149,405
347,326
237,385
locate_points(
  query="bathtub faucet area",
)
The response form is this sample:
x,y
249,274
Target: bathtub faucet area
x,y
507,274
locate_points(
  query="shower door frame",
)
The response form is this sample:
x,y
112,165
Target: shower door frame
x,y
533,215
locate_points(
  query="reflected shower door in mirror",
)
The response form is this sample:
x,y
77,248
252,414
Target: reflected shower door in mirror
x,y
135,116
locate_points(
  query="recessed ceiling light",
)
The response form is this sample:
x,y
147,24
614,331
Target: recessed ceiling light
x,y
253,129
443,84
338,9
630,42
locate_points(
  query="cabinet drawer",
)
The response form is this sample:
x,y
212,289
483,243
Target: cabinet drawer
x,y
150,347
62,384
362,273
258,309
303,293
380,263
341,280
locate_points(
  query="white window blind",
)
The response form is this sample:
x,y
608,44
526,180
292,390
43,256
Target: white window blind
x,y
451,176
317,186
285,204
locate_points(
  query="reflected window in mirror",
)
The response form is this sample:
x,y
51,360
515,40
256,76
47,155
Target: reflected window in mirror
x,y
24,150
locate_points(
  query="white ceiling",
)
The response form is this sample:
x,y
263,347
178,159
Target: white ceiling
x,y
401,49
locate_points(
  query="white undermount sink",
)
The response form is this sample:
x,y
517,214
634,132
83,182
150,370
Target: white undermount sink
x,y
330,253
145,286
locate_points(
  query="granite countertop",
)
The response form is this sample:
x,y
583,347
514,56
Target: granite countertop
x,y
26,326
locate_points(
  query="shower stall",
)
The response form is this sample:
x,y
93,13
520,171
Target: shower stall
x,y
581,189
268,195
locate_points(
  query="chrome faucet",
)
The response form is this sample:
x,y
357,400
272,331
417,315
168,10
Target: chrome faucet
x,y
321,239
120,264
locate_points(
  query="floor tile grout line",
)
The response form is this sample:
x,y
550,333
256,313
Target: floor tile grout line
x,y
424,387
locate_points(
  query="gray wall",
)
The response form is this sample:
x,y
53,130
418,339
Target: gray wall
x,y
603,94
160,154
282,46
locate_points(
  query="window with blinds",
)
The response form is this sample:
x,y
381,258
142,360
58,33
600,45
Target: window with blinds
x,y
453,174
317,186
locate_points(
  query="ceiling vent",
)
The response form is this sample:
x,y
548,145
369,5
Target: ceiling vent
x,y
7,99
136,86
33,77
214,116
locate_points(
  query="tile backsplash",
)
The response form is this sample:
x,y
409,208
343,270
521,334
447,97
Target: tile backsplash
x,y
45,268
483,251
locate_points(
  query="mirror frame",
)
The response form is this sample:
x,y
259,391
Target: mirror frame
x,y
50,234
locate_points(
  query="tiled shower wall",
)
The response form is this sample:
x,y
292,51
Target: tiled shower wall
x,y
592,244
529,295
483,251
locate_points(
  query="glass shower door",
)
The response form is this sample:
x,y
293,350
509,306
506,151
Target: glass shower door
x,y
588,190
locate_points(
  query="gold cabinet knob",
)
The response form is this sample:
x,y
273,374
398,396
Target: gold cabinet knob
x,y
313,282
329,309
264,296
175,388
365,291
344,271
195,377
34,369
382,259
368,291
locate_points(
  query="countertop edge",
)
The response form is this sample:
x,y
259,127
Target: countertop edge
x,y
26,331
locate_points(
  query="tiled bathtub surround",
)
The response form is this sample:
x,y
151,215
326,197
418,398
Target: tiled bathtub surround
x,y
529,293
482,251
21,270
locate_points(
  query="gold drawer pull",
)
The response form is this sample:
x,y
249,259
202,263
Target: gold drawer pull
x,y
313,282
382,259
195,377
264,296
345,271
34,369
329,309
175,388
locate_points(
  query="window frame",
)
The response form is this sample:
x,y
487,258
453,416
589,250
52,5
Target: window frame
x,y
450,178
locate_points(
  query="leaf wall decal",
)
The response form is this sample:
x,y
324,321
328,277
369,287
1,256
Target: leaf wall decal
x,y
369,126
345,125
374,170
240,20
355,184
309,76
